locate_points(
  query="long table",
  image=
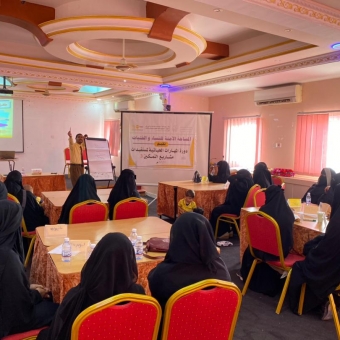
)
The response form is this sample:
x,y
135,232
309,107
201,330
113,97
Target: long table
x,y
48,269
44,182
54,201
303,232
207,196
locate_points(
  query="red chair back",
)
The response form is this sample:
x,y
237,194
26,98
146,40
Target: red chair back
x,y
263,233
259,198
67,155
29,335
198,313
249,201
130,208
137,318
88,211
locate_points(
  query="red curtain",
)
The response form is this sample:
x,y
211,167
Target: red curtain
x,y
112,134
311,144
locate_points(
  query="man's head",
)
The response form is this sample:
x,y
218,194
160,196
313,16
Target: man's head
x,y
79,138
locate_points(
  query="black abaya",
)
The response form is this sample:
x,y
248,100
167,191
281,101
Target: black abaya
x,y
85,189
192,257
3,191
110,270
125,187
262,176
33,213
223,173
236,195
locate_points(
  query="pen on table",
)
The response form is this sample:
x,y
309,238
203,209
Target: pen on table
x,y
309,220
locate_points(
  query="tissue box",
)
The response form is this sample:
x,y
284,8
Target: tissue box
x,y
36,171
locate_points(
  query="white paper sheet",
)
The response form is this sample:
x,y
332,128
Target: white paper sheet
x,y
58,249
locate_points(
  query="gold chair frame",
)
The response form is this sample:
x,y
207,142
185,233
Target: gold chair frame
x,y
256,193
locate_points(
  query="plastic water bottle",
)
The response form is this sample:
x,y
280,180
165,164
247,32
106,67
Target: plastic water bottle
x,y
133,237
90,250
66,250
139,248
308,199
22,171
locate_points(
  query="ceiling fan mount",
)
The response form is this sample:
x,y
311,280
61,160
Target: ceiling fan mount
x,y
123,66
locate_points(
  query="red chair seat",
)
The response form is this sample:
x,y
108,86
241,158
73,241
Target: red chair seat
x,y
288,261
28,233
24,335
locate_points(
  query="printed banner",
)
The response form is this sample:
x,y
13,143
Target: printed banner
x,y
166,140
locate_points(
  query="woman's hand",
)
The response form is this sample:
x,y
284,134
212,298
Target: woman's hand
x,y
44,292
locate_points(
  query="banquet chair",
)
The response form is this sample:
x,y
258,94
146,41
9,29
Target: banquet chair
x,y
231,218
331,302
264,234
259,198
29,335
277,180
67,159
88,211
130,208
204,310
31,235
121,317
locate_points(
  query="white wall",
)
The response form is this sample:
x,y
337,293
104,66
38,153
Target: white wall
x,y
46,123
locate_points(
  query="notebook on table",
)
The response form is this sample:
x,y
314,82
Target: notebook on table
x,y
7,154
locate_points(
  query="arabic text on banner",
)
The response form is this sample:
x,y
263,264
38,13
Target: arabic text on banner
x,y
165,140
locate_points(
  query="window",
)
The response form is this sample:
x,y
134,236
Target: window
x,y
112,134
242,136
317,143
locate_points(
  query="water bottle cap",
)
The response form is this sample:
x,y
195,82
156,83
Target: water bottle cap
x,y
67,239
134,230
139,237
92,245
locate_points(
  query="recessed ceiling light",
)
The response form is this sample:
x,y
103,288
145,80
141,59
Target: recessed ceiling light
x,y
124,80
99,99
113,96
217,10
288,30
336,46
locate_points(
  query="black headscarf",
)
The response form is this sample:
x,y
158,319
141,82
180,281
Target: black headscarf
x,y
240,183
3,191
110,270
85,189
192,257
223,173
125,187
10,227
336,200
317,191
33,213
262,176
276,206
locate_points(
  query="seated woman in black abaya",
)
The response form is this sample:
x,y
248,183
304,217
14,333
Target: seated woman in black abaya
x,y
85,189
320,269
240,183
318,191
23,306
33,212
192,257
223,173
110,270
262,176
125,187
265,279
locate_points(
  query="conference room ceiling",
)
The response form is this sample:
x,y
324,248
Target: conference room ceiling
x,y
250,44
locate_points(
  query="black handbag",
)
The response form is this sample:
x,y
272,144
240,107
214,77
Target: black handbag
x,y
197,177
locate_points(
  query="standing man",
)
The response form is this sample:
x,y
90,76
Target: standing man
x,y
76,155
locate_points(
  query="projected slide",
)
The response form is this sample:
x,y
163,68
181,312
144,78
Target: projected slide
x,y
6,118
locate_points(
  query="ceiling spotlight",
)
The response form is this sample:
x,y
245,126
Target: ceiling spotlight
x,y
113,96
336,46
124,80
99,99
217,10
288,30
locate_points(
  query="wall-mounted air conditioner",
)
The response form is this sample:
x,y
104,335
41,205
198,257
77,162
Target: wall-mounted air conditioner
x,y
126,105
279,95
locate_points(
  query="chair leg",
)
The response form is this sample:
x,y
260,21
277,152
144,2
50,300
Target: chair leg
x,y
250,274
335,315
216,228
237,228
302,298
284,292
64,169
29,252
